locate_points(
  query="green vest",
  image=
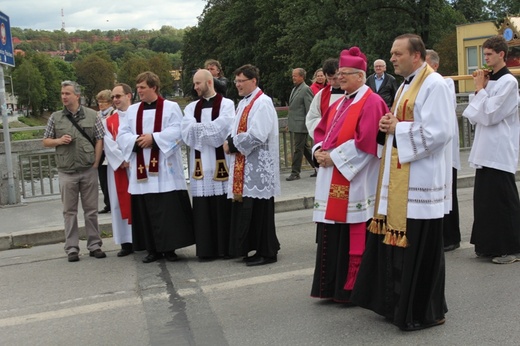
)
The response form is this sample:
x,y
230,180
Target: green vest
x,y
79,155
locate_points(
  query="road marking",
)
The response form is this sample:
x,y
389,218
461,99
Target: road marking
x,y
246,282
77,310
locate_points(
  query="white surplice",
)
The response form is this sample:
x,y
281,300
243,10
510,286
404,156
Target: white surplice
x,y
494,110
425,143
205,137
261,147
169,141
121,230
357,166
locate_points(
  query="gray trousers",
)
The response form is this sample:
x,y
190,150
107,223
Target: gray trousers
x,y
72,186
301,148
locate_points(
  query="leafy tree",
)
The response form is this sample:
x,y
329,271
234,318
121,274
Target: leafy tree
x,y
161,65
29,86
130,68
65,70
51,80
166,44
472,10
94,74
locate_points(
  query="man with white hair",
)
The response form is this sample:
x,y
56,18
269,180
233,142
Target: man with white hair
x,y
382,83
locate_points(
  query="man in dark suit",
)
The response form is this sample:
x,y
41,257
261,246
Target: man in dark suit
x,y
382,83
299,103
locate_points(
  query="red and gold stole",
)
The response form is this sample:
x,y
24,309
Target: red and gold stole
x,y
120,174
221,169
337,204
240,160
393,225
153,167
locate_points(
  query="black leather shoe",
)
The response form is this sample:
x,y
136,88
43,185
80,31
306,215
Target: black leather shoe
x,y
124,252
171,256
73,257
315,174
293,177
97,253
255,257
451,247
152,258
413,326
104,210
260,261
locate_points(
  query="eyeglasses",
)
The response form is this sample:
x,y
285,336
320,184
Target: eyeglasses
x,y
379,66
239,81
343,74
116,96
103,101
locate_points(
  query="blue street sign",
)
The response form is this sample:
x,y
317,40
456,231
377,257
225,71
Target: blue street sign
x,y
6,43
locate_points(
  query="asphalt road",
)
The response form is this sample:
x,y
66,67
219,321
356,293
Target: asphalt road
x,y
44,300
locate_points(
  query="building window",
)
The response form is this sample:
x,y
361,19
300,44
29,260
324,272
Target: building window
x,y
472,59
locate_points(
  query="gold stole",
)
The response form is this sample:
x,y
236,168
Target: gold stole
x,y
240,160
393,226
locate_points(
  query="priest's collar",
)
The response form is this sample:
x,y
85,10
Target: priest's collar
x,y
353,94
336,91
209,98
247,97
500,73
151,105
408,79
208,102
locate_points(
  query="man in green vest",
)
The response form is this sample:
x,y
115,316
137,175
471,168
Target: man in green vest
x,y
77,134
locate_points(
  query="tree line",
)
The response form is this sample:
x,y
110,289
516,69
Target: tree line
x,y
94,59
274,35
279,35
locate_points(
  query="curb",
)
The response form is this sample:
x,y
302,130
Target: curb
x,y
26,239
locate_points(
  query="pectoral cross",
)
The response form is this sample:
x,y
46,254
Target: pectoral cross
x,y
153,162
140,168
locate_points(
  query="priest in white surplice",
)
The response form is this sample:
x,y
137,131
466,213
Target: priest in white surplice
x,y
494,154
254,171
206,124
150,139
117,172
402,273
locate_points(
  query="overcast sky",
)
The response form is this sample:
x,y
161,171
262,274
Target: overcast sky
x,y
102,14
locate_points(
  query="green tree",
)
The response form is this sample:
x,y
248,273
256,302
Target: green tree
x,y
161,65
51,80
29,86
130,68
94,74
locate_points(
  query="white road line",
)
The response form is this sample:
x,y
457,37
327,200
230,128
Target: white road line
x,y
121,303
247,282
77,310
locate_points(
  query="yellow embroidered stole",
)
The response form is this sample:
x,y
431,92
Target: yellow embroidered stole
x,y
394,224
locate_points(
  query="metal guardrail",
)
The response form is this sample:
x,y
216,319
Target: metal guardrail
x,y
38,175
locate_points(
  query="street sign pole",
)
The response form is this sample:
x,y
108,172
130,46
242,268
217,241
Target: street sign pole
x,y
6,58
11,197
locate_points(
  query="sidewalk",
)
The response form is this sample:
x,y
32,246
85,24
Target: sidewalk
x,y
41,222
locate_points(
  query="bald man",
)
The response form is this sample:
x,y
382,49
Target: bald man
x,y
205,126
382,83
